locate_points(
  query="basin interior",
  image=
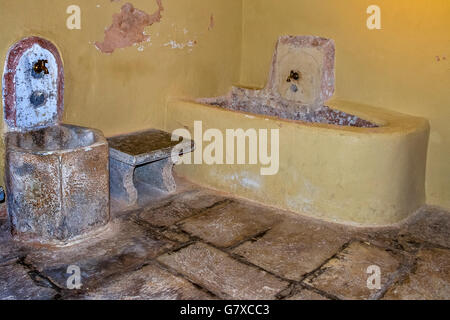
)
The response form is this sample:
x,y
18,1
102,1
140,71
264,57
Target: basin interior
x,y
301,80
281,110
54,138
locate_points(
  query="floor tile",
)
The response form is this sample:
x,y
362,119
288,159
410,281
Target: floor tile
x,y
346,277
149,283
430,225
307,295
16,284
122,247
294,248
179,207
430,280
222,275
231,223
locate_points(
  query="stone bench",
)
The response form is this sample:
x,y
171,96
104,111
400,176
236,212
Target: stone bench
x,y
144,157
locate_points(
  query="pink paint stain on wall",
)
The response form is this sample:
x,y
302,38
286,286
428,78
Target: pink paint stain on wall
x,y
128,27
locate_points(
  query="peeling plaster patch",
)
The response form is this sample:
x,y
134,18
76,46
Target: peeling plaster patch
x,y
212,23
175,45
127,28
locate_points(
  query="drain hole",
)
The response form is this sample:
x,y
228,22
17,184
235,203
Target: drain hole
x,y
38,98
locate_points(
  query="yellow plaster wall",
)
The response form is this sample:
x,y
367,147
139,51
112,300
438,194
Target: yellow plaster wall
x,y
395,68
127,90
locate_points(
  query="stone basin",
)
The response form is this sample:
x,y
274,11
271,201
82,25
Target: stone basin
x,y
58,183
336,160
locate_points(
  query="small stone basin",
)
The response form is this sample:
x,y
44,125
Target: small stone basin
x,y
57,180
61,138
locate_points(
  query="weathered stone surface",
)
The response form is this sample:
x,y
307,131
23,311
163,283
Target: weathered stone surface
x,y
16,284
3,213
306,294
231,223
57,182
180,207
300,81
144,157
85,190
119,262
295,247
149,283
345,276
222,275
175,234
312,59
157,174
122,247
430,280
121,183
430,225
19,84
9,249
383,237
4,227
143,147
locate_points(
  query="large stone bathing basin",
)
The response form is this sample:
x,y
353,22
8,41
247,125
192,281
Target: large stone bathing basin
x,y
357,164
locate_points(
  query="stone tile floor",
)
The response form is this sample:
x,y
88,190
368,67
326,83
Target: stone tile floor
x,y
201,244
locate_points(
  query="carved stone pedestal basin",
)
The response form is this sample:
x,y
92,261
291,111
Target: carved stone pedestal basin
x,y
57,182
57,175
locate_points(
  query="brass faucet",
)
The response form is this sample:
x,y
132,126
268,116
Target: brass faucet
x,y
293,76
40,66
